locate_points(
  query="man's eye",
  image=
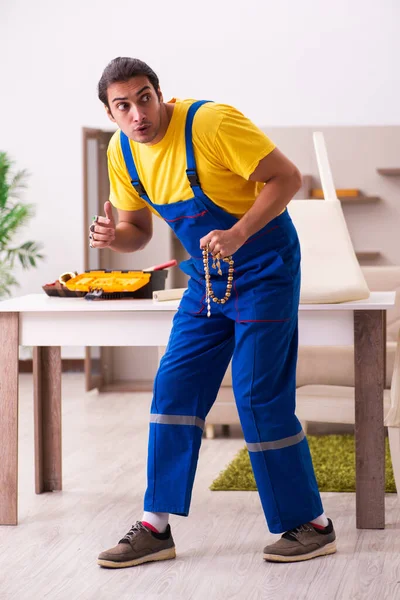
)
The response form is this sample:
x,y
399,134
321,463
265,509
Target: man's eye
x,y
146,98
122,106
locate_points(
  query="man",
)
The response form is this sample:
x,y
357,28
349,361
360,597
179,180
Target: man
x,y
223,187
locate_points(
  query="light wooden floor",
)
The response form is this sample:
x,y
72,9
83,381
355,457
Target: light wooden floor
x,y
52,553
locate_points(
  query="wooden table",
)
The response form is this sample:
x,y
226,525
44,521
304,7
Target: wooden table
x,y
49,323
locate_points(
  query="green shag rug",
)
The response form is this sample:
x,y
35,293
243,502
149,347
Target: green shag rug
x,y
334,463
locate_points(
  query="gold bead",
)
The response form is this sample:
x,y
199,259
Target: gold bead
x,y
231,262
228,295
230,270
229,286
230,278
223,301
215,299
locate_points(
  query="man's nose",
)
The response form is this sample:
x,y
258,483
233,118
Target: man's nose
x,y
137,114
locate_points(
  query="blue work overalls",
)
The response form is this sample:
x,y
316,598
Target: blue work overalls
x,y
257,328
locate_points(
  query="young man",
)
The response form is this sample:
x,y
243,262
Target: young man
x,y
223,187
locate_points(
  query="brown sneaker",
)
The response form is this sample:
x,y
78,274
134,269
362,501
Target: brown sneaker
x,y
138,546
302,543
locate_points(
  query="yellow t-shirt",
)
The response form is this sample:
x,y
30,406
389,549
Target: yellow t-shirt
x,y
227,148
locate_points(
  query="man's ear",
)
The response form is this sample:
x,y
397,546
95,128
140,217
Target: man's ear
x,y
160,96
109,114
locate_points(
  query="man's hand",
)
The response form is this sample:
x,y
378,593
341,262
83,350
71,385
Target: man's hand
x,y
222,243
102,230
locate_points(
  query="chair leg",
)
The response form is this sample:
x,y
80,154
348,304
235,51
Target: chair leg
x,y
394,442
304,425
210,431
226,430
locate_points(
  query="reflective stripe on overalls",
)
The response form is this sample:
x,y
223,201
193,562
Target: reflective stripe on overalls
x,y
257,329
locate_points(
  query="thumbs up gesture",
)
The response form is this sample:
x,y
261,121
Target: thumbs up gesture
x,y
102,230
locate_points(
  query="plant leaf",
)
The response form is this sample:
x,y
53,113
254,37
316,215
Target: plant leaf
x,y
13,219
5,165
18,183
6,281
28,253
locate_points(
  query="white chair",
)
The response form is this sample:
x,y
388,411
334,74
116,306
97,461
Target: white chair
x,y
330,271
335,404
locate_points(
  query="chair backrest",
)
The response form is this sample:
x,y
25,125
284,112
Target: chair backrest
x,y
385,278
330,269
393,416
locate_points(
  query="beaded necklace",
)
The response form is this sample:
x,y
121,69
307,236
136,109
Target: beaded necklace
x,y
216,265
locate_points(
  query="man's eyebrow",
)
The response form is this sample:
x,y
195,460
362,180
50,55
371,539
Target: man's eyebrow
x,y
146,87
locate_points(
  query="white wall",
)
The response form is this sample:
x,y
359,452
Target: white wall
x,y
282,63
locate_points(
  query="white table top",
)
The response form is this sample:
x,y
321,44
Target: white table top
x,y
42,303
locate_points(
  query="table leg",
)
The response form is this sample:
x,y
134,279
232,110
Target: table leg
x,y
47,411
369,362
9,343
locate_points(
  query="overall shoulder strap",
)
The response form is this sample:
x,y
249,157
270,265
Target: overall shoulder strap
x,y
131,167
191,171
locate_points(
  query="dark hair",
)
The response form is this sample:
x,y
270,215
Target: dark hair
x,y
123,69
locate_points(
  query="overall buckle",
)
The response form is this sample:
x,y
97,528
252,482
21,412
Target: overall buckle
x,y
139,187
193,177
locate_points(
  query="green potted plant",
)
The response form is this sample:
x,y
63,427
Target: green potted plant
x,y
14,214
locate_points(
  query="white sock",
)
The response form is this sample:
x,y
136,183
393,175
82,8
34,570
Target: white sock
x,y
322,520
158,520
